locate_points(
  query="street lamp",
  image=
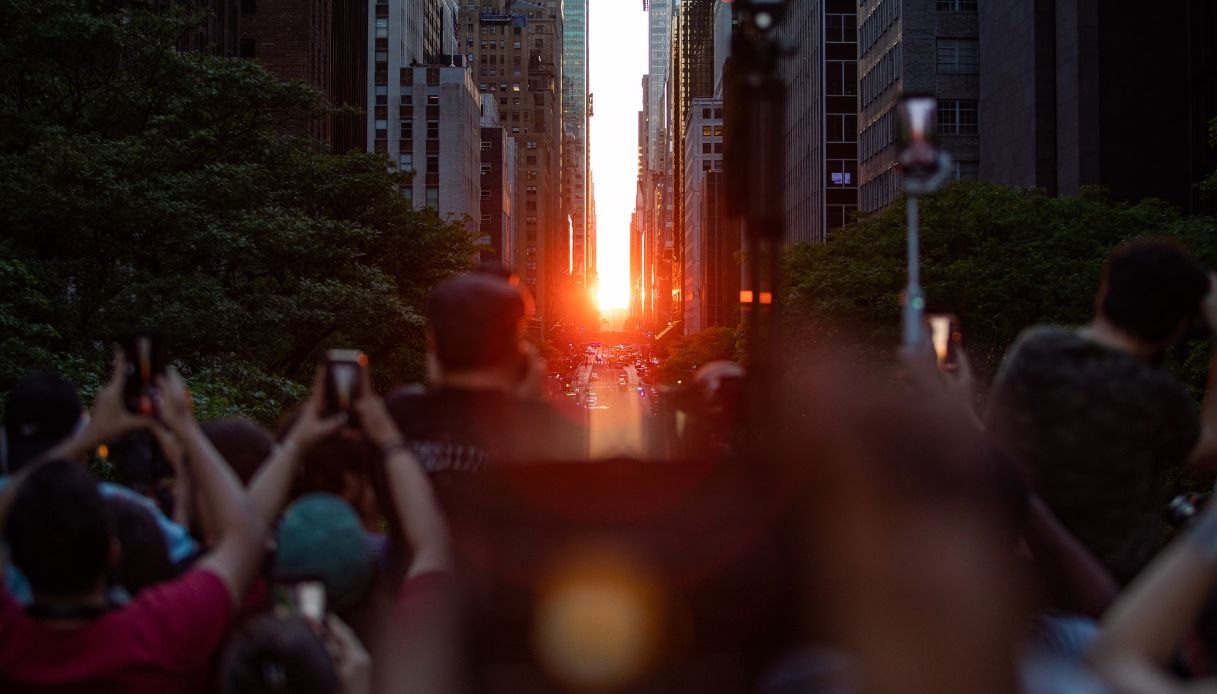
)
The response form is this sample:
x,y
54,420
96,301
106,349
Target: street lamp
x,y
924,168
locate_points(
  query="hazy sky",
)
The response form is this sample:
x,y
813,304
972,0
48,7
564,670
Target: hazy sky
x,y
617,55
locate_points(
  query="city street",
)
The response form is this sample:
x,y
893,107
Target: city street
x,y
615,411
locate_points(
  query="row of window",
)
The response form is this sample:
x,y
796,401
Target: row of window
x,y
877,136
956,5
882,75
876,23
495,72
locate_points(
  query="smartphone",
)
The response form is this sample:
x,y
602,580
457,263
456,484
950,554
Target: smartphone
x,y
945,336
343,381
304,598
144,356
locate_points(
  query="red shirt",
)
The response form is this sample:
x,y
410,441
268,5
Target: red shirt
x,y
162,641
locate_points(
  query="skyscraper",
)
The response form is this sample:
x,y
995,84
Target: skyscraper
x,y
923,47
821,117
575,128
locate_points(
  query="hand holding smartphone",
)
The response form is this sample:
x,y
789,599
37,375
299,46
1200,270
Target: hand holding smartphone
x,y
343,382
144,360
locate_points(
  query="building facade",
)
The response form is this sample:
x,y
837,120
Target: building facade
x,y
575,176
916,47
498,225
292,39
703,153
514,52
1065,103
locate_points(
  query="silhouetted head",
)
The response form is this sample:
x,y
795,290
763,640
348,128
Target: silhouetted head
x,y
58,530
39,412
1151,290
144,554
475,322
271,654
243,443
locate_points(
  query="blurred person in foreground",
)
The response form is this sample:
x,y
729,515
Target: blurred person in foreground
x,y
1097,423
485,404
59,534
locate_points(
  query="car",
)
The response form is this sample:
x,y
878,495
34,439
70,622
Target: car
x,y
622,385
594,377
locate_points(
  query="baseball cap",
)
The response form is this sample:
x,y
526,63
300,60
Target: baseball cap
x,y
320,537
39,412
475,320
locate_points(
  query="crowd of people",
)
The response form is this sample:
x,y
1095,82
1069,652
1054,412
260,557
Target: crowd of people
x,y
858,537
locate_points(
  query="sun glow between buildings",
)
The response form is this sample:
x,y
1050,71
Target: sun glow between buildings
x,y
617,47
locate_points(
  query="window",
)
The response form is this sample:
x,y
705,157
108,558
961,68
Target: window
x,y
432,164
407,99
249,6
957,117
382,27
969,170
486,145
485,217
718,131
531,161
382,56
408,194
532,144
957,56
486,169
540,43
956,5
706,130
531,190
432,130
405,162
433,99
407,130
530,250
842,178
381,124
705,148
515,45
382,95
432,196
248,49
486,196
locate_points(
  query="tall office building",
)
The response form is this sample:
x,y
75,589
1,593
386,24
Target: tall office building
x,y
1076,93
291,39
348,75
703,153
437,134
656,199
923,47
498,229
821,191
514,52
575,127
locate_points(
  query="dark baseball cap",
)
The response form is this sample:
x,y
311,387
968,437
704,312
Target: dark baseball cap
x,y
475,320
39,412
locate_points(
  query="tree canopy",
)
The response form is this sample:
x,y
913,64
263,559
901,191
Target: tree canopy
x,y
144,185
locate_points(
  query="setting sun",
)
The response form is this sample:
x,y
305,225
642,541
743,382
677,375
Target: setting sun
x,y
614,291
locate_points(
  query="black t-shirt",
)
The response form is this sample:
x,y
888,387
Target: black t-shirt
x,y
1099,432
456,431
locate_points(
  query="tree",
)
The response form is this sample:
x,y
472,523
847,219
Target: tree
x,y
141,185
692,351
1000,258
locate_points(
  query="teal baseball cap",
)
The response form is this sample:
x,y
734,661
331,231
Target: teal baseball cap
x,y
320,537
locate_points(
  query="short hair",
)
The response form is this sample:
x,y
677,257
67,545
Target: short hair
x,y
1151,287
58,529
475,320
243,443
39,412
276,654
144,560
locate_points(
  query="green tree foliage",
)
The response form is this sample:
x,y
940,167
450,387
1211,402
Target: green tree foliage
x,y
1000,258
692,351
143,185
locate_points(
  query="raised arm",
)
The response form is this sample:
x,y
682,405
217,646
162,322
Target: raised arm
x,y
421,521
241,533
1203,458
1152,617
271,484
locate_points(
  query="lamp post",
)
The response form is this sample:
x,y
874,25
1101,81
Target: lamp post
x,y
924,168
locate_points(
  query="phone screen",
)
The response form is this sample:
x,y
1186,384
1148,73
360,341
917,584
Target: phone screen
x,y
306,599
945,336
